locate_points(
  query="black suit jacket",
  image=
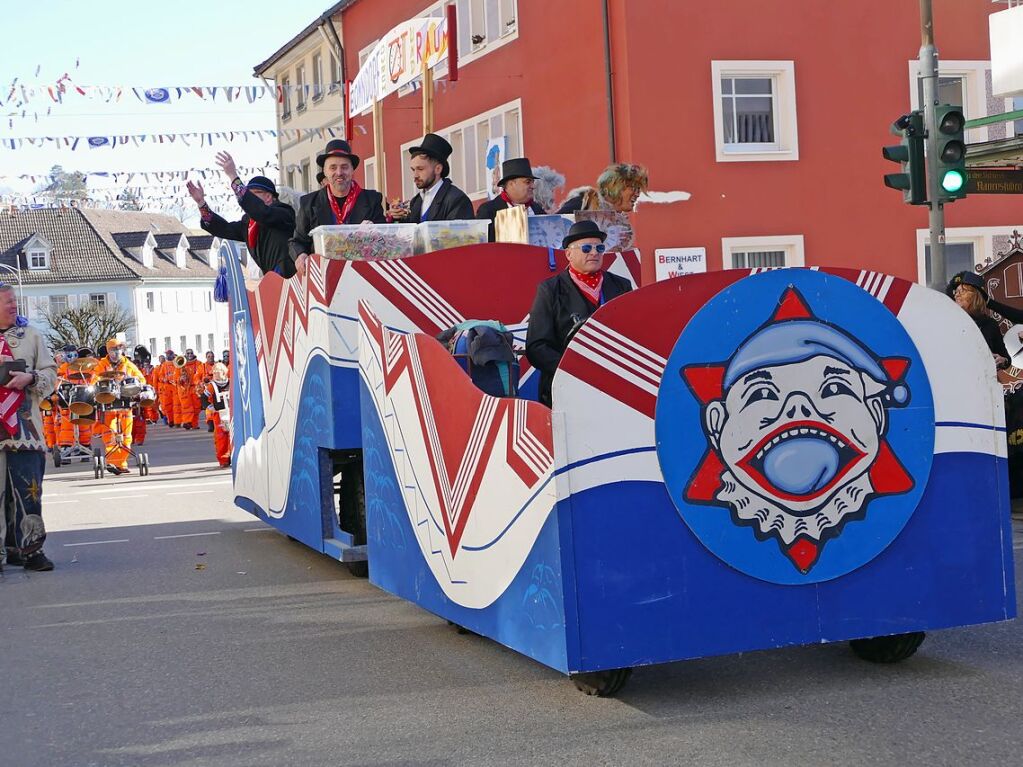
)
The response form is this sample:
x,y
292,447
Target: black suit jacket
x,y
557,307
314,210
449,204
276,225
490,208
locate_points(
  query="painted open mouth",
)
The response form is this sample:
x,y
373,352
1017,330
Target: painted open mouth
x,y
801,461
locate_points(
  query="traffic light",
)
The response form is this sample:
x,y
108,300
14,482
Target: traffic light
x,y
950,162
910,153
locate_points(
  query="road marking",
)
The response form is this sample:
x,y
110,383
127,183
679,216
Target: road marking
x,y
183,535
192,492
50,503
257,530
148,485
120,497
95,543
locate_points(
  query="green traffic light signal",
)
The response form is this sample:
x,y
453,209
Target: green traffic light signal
x,y
912,181
950,163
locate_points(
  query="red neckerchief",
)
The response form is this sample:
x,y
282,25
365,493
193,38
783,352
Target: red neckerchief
x,y
341,215
10,399
589,284
504,196
253,235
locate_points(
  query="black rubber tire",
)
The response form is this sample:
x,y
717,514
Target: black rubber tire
x,y
56,458
889,649
352,512
602,684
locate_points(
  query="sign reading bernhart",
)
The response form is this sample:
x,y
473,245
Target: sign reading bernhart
x,y
398,59
994,181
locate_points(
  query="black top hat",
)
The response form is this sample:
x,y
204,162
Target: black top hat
x,y
972,279
436,147
581,230
517,167
337,148
264,184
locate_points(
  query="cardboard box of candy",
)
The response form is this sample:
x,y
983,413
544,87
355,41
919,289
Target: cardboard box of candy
x,y
365,242
441,235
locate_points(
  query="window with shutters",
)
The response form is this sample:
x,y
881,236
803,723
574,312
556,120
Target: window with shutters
x,y
754,110
286,95
317,76
99,300
762,252
300,88
58,303
209,343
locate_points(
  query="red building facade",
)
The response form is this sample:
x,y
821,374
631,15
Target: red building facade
x,y
770,117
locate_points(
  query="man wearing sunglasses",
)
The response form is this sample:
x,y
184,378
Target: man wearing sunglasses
x,y
566,300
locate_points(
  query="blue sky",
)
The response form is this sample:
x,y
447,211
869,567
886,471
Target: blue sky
x,y
141,44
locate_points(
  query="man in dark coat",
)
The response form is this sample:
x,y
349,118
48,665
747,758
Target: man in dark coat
x,y
565,301
266,226
438,198
341,201
516,189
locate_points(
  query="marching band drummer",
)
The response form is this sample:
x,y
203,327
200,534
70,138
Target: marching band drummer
x,y
141,357
218,393
564,301
67,372
120,420
22,450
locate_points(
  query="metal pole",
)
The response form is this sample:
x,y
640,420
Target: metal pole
x,y
929,76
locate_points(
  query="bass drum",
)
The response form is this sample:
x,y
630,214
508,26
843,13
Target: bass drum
x,y
82,401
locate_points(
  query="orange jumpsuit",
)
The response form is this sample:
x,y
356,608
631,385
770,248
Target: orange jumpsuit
x,y
187,401
167,375
152,414
207,376
116,428
49,426
64,426
220,393
138,426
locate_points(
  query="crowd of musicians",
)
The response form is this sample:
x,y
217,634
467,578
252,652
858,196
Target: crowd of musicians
x,y
111,398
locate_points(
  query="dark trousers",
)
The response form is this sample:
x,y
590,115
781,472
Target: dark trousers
x,y
21,497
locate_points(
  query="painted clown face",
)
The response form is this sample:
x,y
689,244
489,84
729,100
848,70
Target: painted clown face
x,y
795,423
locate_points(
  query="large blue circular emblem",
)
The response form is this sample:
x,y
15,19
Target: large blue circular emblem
x,y
795,426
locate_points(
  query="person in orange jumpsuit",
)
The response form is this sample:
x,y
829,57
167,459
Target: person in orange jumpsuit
x,y
48,407
141,357
153,379
167,375
117,422
218,412
207,376
189,377
65,426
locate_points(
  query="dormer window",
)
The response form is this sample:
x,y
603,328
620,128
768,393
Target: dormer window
x,y
38,259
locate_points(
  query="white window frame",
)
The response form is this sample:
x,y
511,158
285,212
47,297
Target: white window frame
x,y
982,238
369,166
300,100
792,244
101,303
317,67
974,74
335,73
43,255
286,94
150,301
458,163
783,73
59,303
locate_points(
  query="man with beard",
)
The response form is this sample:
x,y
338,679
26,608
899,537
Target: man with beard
x,y
341,201
31,375
516,184
438,198
117,420
266,226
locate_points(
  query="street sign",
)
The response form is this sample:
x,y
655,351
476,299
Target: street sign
x,y
994,181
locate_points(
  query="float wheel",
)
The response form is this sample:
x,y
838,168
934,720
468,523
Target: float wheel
x,y
57,462
603,684
890,649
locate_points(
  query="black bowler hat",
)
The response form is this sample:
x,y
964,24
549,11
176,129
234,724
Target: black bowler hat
x,y
263,183
337,148
518,167
581,230
436,147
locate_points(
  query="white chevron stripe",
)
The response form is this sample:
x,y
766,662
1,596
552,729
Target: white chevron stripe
x,y
620,356
425,298
613,366
657,361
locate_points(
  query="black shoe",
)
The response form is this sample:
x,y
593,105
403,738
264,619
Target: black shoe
x,y
209,427
114,470
38,562
14,558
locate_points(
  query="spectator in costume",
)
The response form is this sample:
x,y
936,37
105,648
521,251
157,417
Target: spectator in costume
x,y
618,188
968,291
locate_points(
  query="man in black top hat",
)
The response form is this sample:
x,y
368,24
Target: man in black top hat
x,y
516,189
438,198
341,201
565,301
266,226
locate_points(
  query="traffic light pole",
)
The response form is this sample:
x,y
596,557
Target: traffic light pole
x,y
929,76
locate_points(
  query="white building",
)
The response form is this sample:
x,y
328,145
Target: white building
x,y
145,262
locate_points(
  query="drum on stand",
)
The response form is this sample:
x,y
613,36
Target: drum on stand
x,y
147,396
108,391
131,387
82,401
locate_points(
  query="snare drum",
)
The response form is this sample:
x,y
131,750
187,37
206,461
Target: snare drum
x,y
82,400
147,397
107,391
64,392
131,387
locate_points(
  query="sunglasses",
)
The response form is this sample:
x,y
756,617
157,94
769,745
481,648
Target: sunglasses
x,y
590,248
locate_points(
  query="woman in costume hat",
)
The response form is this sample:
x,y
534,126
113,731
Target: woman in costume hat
x,y
438,199
618,189
516,189
265,228
341,201
565,301
967,289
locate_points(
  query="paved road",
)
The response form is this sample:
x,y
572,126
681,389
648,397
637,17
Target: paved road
x,y
177,630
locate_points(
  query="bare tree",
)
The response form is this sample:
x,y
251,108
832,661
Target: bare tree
x,y
87,325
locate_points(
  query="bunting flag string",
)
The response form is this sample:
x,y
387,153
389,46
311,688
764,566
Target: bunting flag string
x,y
205,138
161,175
